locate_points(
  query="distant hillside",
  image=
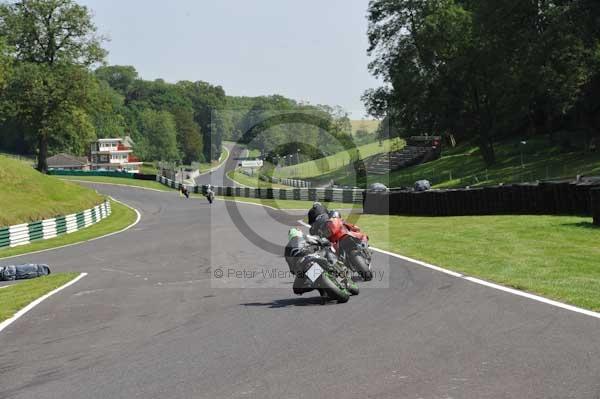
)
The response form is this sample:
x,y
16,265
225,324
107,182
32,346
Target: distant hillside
x,y
27,195
364,124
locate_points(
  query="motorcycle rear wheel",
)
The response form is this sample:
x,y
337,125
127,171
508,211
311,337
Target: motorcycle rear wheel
x,y
333,290
360,265
353,288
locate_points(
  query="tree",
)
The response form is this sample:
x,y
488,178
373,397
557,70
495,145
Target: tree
x,y
48,102
208,103
119,77
4,65
106,109
478,68
159,136
55,40
189,136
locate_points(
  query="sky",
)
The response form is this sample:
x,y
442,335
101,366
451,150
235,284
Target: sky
x,y
309,50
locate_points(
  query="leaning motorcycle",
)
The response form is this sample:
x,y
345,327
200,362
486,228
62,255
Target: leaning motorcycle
x,y
351,245
323,271
210,196
208,193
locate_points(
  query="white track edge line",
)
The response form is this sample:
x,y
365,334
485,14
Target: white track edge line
x,y
120,185
218,166
487,283
137,220
33,304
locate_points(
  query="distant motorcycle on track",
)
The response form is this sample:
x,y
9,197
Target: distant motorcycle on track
x,y
210,194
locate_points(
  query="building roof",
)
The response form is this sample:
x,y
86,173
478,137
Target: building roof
x,y
112,139
63,160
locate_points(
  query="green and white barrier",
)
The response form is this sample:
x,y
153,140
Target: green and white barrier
x,y
347,196
23,234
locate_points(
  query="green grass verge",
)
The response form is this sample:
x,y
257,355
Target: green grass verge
x,y
369,125
336,161
254,153
148,168
17,296
290,204
204,167
119,180
27,195
121,217
553,256
252,181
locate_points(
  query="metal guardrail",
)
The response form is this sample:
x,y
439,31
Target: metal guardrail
x,y
347,196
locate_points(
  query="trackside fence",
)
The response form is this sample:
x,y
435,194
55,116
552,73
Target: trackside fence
x,y
23,234
547,198
348,196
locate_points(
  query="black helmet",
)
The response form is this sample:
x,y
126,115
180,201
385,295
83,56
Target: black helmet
x,y
335,215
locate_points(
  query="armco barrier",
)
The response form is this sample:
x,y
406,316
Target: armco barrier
x,y
346,196
23,234
543,198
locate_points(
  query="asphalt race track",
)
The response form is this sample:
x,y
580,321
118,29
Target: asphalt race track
x,y
152,321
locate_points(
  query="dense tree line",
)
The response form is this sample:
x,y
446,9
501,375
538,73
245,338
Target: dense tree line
x,y
58,95
278,126
486,69
53,100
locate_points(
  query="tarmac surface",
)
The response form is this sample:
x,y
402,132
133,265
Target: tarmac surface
x,y
153,319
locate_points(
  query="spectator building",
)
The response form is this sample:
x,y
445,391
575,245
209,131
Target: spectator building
x,y
114,154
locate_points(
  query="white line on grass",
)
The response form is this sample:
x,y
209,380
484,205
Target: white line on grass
x,y
137,220
485,283
118,184
33,304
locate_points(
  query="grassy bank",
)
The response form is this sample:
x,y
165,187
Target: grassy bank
x,y
553,256
336,161
121,217
119,180
368,125
16,297
464,166
252,181
27,195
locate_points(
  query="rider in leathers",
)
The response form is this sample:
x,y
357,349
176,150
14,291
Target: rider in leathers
x,y
295,252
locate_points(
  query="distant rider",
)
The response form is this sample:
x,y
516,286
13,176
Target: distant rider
x,y
184,191
314,212
210,194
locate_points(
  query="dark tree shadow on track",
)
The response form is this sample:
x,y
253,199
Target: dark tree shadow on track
x,y
284,303
583,225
